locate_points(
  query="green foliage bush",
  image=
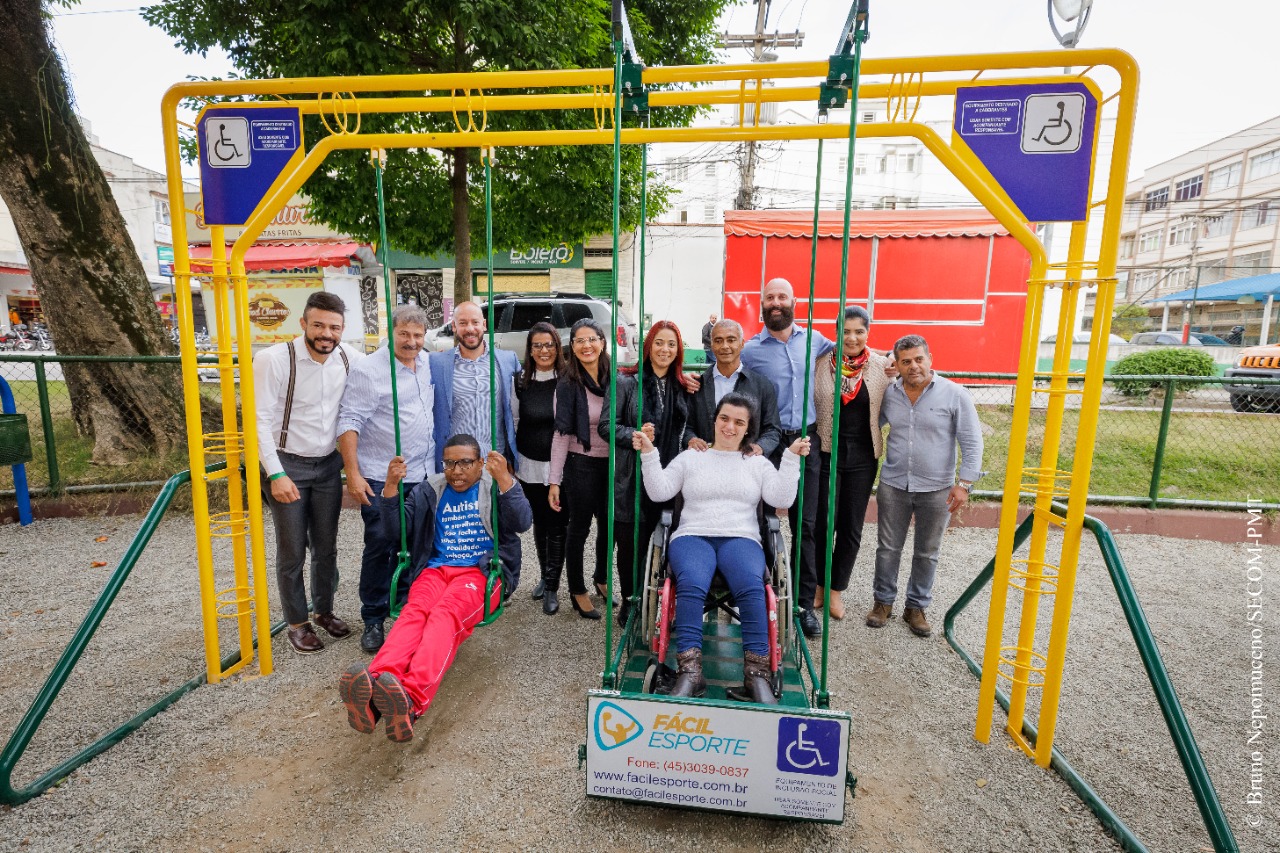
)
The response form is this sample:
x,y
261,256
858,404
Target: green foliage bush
x,y
1182,361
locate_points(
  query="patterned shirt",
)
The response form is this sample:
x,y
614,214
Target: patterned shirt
x,y
366,409
471,400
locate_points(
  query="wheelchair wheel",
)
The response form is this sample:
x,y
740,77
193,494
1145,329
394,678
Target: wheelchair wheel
x,y
782,584
649,684
649,600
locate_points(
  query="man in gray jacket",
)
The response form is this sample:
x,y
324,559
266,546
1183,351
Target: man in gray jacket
x,y
928,416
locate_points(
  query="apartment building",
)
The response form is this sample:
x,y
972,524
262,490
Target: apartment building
x,y
1206,216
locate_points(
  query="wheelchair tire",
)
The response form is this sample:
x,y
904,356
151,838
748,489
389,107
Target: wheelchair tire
x,y
649,600
786,618
649,683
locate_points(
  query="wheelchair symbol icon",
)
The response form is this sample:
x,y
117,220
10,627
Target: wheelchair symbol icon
x,y
226,141
801,746
1056,123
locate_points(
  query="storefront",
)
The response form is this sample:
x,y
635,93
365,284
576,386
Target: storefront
x,y
18,295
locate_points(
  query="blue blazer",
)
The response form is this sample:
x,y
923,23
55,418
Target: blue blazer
x,y
442,412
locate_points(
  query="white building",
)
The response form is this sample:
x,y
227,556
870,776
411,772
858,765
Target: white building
x,y
1205,216
142,196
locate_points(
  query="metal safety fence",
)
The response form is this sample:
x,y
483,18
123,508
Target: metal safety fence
x,y
1173,441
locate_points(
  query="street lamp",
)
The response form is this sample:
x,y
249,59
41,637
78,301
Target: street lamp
x,y
1069,10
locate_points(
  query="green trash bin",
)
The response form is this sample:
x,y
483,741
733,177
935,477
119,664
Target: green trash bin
x,y
15,440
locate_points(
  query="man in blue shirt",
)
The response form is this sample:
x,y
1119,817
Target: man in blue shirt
x,y
778,352
928,416
451,541
366,439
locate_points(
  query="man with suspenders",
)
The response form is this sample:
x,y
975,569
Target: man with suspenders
x,y
299,387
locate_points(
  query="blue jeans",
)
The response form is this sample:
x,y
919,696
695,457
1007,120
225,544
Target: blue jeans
x,y
381,555
894,509
694,560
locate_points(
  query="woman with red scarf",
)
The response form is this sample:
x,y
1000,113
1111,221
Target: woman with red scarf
x,y
861,384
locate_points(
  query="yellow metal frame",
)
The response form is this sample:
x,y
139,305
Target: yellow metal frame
x,y
904,82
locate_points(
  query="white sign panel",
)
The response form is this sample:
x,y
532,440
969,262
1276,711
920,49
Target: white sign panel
x,y
761,761
1054,123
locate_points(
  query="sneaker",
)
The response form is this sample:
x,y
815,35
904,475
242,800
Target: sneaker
x,y
395,706
304,641
879,615
914,617
356,689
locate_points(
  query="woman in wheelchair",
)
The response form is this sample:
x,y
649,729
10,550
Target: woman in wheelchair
x,y
719,530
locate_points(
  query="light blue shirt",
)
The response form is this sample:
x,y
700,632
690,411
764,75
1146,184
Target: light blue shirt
x,y
783,365
724,384
471,399
366,409
920,453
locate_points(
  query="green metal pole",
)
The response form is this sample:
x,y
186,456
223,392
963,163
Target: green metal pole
x,y
1158,463
46,424
859,36
609,676
495,562
644,227
385,250
813,278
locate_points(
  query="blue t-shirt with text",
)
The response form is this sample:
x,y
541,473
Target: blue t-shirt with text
x,y
460,538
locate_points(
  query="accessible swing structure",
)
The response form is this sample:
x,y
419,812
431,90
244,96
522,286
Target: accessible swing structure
x,y
258,159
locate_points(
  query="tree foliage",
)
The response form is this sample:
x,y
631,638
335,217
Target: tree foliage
x,y
541,195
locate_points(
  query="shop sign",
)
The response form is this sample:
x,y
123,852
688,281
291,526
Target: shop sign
x,y
267,312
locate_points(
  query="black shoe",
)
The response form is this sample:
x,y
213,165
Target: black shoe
x,y
373,637
585,614
539,590
624,612
602,592
550,604
809,624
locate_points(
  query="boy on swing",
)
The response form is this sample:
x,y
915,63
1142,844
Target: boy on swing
x,y
450,547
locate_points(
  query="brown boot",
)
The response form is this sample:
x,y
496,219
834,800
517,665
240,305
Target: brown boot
x,y
689,682
756,681
879,615
914,617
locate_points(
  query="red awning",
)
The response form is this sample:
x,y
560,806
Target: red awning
x,y
862,223
300,256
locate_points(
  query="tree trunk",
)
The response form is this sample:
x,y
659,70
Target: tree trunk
x,y
92,285
461,228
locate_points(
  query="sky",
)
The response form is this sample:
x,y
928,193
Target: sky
x,y
1204,65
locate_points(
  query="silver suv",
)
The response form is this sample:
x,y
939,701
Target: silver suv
x,y
515,314
1164,339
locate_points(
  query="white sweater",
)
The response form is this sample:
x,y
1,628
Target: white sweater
x,y
722,489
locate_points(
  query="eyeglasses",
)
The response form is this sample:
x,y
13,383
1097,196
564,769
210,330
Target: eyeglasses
x,y
582,342
544,346
459,464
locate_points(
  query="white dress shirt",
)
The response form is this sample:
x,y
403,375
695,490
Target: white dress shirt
x,y
317,392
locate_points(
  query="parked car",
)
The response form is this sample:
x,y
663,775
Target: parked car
x,y
1213,340
1083,338
1255,363
515,314
1163,339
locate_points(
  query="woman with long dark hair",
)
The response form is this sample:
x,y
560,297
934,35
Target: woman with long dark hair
x,y
665,411
579,476
719,529
862,381
535,430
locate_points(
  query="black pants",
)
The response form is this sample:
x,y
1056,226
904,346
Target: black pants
x,y
311,522
631,574
381,556
584,495
545,520
854,479
807,529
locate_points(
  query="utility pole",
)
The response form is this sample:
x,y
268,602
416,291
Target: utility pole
x,y
756,42
1195,287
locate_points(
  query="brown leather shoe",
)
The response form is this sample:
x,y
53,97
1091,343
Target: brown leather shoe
x,y
879,615
356,689
304,639
333,626
395,706
914,617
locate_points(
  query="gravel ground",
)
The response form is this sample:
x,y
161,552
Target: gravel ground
x,y
270,764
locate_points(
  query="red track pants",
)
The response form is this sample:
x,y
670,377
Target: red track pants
x,y
444,606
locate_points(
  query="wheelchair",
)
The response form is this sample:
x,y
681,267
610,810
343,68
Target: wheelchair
x,y
658,599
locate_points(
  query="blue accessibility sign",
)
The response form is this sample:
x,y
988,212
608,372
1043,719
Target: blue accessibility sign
x,y
1037,141
243,149
809,746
